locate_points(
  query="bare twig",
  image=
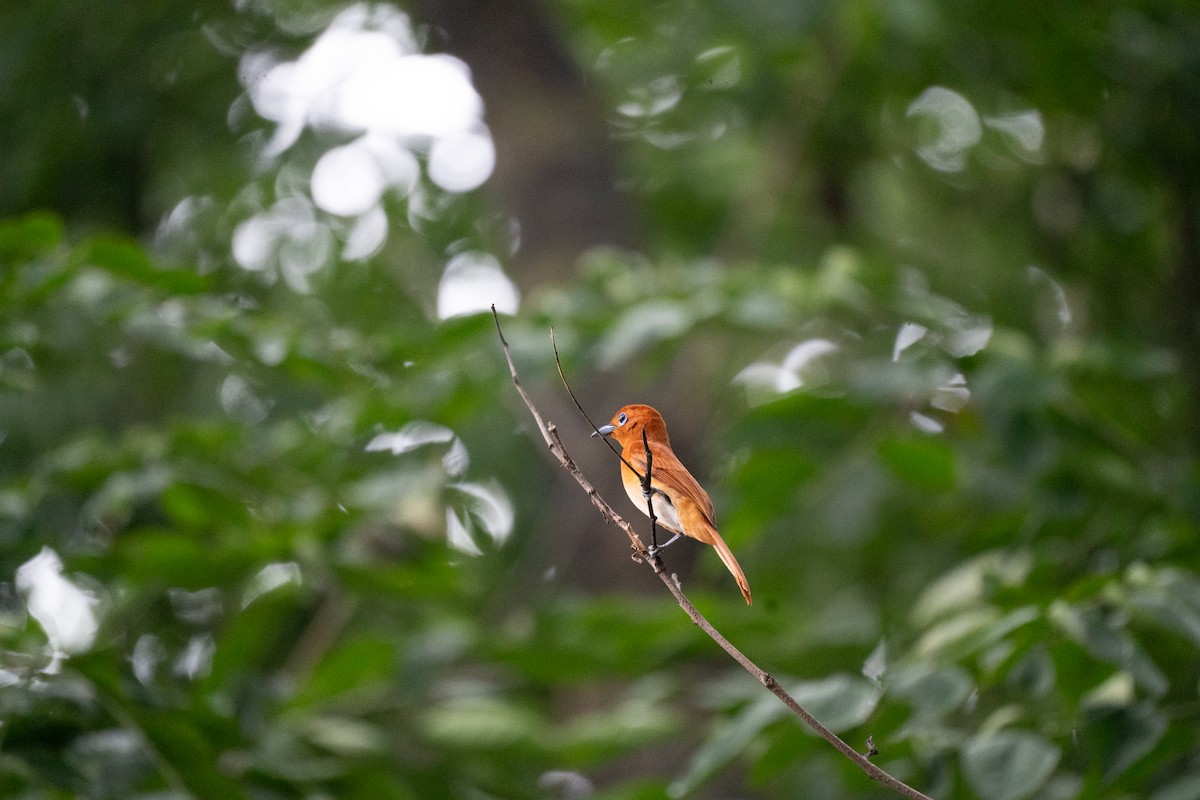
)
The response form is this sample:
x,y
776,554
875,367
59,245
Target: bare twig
x,y
553,440
592,425
647,489
550,435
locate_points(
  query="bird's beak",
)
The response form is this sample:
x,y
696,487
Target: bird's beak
x,y
604,430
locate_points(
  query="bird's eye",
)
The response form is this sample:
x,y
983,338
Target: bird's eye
x,y
621,418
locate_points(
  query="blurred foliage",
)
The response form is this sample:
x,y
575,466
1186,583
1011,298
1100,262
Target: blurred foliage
x,y
917,282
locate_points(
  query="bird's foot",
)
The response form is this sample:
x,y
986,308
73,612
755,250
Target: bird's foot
x,y
654,549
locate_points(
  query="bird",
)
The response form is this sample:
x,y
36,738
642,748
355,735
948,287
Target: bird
x,y
679,501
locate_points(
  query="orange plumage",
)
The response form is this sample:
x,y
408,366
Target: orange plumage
x,y
680,504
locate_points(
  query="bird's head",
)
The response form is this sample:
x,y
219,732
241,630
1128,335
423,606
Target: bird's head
x,y
627,425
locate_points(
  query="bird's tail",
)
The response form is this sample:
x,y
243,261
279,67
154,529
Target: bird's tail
x,y
697,525
730,562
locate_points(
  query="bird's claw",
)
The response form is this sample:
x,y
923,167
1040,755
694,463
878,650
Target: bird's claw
x,y
654,549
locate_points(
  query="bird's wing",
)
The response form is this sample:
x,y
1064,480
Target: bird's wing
x,y
668,473
692,505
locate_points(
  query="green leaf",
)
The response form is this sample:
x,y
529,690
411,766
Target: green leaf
x,y
188,752
926,463
970,583
1106,638
192,506
480,721
1186,788
930,690
643,326
354,665
839,701
644,715
1008,765
344,736
1168,597
186,742
726,743
968,632
769,478
126,258
28,236
1034,673
1120,737
161,557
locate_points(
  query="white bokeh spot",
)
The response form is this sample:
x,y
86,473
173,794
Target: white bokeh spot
x,y
957,128
462,162
472,283
365,79
909,334
347,181
65,612
793,372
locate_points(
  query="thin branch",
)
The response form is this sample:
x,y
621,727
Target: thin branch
x,y
553,441
550,434
558,364
648,492
592,425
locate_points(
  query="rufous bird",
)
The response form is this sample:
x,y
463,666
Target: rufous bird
x,y
680,504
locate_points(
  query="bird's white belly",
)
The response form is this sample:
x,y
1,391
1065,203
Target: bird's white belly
x,y
663,510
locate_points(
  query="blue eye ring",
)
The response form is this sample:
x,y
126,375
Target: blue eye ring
x,y
621,418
